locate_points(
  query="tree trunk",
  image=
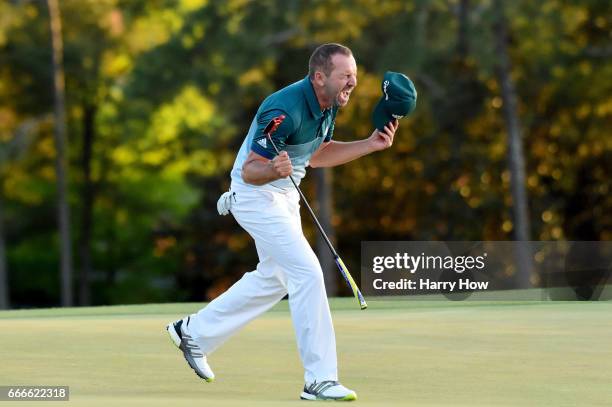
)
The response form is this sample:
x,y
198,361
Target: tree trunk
x,y
516,160
323,179
88,196
60,146
4,289
462,29
17,146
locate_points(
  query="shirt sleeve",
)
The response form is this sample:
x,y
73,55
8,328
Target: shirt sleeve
x,y
261,145
330,132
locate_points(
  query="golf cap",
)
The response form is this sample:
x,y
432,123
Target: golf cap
x,y
398,100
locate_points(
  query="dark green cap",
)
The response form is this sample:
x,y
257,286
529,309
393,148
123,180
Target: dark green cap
x,y
398,100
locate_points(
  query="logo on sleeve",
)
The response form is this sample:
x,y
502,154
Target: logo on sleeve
x,y
262,142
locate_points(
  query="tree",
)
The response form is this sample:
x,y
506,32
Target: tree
x,y
323,182
516,159
4,287
60,146
11,151
159,95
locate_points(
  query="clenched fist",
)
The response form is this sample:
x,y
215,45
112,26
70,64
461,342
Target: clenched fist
x,y
281,165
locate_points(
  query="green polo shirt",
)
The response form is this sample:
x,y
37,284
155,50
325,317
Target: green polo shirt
x,y
302,132
304,120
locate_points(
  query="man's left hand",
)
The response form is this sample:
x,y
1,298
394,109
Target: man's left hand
x,y
380,140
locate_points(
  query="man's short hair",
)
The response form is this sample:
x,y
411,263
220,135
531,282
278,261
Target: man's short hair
x,y
321,58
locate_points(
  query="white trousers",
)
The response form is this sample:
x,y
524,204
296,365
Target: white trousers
x,y
287,264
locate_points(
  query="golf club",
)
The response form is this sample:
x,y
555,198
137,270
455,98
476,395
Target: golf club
x,y
271,128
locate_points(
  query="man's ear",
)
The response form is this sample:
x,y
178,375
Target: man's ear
x,y
319,78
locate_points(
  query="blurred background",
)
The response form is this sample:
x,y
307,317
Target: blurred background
x,y
120,120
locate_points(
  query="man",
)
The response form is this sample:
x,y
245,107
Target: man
x,y
265,203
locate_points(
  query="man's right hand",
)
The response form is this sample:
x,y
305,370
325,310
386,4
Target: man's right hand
x,y
258,170
281,165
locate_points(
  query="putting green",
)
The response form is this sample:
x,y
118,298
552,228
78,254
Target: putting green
x,y
397,353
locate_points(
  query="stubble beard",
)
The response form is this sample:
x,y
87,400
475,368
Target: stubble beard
x,y
336,97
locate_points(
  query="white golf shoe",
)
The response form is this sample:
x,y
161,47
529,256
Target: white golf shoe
x,y
179,333
327,390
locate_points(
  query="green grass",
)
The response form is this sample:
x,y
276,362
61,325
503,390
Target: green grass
x,y
397,353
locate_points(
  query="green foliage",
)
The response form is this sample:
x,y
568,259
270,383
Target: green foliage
x,y
166,90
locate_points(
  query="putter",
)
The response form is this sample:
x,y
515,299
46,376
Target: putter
x,y
271,128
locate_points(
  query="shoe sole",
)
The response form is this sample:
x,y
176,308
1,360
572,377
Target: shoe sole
x,y
312,397
176,340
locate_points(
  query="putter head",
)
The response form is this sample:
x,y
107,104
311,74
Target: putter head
x,y
273,125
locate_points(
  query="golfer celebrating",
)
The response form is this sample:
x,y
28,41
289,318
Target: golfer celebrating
x,y
264,202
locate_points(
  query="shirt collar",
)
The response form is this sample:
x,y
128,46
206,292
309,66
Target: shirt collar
x,y
311,98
